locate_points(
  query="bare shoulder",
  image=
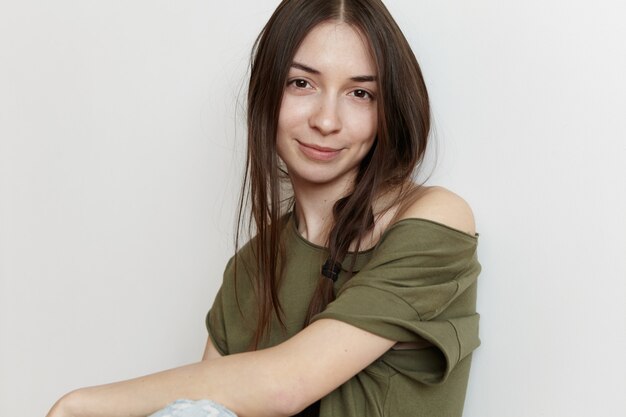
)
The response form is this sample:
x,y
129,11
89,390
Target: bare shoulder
x,y
442,206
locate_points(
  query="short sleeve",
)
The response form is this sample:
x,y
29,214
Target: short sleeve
x,y
215,319
418,287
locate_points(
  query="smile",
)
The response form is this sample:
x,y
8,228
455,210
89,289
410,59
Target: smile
x,y
318,153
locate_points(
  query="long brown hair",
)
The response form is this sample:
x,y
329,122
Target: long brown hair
x,y
403,127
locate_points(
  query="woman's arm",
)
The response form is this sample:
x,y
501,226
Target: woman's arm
x,y
209,351
279,381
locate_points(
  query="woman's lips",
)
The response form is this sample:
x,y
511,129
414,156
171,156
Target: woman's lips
x,y
318,153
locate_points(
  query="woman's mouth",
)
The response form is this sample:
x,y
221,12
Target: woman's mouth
x,y
318,153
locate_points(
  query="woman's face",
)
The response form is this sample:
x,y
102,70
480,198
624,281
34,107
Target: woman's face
x,y
328,114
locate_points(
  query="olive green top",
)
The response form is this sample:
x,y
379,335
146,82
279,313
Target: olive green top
x,y
417,285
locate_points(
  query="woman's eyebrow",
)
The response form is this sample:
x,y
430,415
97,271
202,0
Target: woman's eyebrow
x,y
358,78
304,68
364,78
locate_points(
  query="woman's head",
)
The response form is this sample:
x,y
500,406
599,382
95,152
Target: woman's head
x,y
397,145
328,116
402,101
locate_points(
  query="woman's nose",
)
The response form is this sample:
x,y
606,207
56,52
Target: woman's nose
x,y
325,117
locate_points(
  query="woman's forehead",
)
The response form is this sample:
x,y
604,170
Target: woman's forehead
x,y
332,46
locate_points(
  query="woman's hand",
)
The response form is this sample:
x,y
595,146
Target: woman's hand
x,y
63,408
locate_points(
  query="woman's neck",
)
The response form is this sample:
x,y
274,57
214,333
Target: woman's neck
x,y
314,211
314,208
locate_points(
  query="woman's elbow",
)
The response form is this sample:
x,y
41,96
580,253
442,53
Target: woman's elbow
x,y
289,399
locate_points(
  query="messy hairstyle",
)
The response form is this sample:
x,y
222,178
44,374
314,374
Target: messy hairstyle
x,y
402,132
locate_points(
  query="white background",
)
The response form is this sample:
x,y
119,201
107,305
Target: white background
x,y
120,144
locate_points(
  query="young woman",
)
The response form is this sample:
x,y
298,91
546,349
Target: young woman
x,y
356,297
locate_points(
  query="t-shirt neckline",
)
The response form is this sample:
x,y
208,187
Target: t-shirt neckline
x,y
429,222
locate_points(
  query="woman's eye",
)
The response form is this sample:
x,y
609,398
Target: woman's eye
x,y
299,83
362,94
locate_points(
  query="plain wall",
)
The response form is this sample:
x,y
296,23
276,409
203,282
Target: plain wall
x,y
120,162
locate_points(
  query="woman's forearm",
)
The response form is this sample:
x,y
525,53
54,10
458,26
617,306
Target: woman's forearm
x,y
226,380
273,382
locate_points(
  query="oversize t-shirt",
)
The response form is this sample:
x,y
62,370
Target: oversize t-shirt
x,y
417,285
